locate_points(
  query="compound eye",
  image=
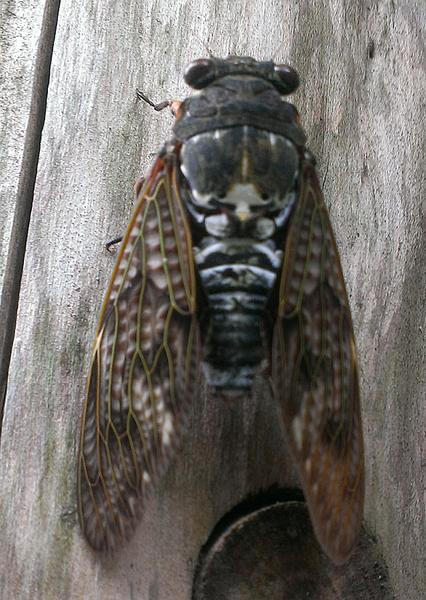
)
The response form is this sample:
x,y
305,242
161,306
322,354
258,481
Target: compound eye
x,y
288,78
197,73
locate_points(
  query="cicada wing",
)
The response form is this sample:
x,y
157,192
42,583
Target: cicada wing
x,y
314,374
144,365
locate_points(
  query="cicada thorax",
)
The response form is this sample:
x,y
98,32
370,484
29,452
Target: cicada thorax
x,y
239,171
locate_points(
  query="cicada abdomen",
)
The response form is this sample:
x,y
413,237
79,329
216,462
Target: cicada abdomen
x,y
228,262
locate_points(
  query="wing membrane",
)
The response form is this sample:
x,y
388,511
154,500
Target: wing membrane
x,y
139,387
314,370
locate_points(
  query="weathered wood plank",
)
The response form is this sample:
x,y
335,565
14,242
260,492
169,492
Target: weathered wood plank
x,y
362,103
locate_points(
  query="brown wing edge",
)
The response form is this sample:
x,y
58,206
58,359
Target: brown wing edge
x,y
124,452
315,377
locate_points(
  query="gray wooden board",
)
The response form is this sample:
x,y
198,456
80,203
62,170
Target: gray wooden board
x,y
362,103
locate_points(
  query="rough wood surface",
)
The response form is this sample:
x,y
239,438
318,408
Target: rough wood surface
x,y
362,102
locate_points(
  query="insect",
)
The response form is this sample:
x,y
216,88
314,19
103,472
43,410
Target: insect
x,y
229,260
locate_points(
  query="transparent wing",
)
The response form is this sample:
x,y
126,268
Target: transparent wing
x,y
314,373
142,374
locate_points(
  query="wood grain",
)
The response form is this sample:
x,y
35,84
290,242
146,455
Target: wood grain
x,y
362,66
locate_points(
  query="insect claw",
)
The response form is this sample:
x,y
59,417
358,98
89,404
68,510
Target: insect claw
x,y
111,243
157,107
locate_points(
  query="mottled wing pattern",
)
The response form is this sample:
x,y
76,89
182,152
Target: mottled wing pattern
x,y
143,367
314,370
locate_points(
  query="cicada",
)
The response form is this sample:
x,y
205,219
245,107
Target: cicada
x,y
229,262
